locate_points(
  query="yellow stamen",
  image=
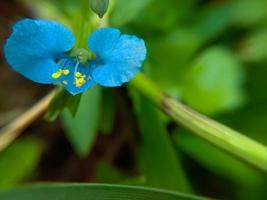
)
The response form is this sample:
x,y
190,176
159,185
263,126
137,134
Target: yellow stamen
x,y
65,71
78,74
56,75
79,82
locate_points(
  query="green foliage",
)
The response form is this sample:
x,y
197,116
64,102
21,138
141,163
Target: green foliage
x,y
212,21
156,150
251,119
81,129
209,54
171,52
108,112
254,48
126,11
19,161
56,10
100,7
216,160
159,16
249,183
213,83
249,13
93,192
62,100
108,174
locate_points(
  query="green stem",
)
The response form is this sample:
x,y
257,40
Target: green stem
x,y
220,135
84,26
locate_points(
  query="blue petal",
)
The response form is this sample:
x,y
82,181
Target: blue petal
x,y
119,57
68,81
33,47
102,41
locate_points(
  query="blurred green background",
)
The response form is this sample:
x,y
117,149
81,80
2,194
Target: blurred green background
x,y
210,54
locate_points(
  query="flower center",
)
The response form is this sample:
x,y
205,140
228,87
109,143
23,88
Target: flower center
x,y
79,78
82,55
75,71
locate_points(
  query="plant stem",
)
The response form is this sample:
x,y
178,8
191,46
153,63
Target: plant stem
x,y
11,131
84,26
219,135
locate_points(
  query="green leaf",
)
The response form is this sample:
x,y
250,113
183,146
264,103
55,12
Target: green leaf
x,y
164,16
60,10
251,119
171,53
214,83
107,112
19,161
215,160
93,192
106,173
99,6
81,129
254,48
56,105
158,160
62,100
73,103
213,21
249,13
126,11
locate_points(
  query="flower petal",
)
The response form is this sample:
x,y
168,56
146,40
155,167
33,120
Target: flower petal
x,y
72,82
119,57
102,41
33,47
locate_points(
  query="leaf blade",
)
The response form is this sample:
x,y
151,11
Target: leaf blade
x,y
82,128
204,87
157,150
94,192
18,161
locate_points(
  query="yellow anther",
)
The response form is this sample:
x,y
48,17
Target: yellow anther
x,y
79,82
65,71
56,75
78,74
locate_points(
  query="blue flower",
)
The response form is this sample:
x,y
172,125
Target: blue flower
x,y
40,50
